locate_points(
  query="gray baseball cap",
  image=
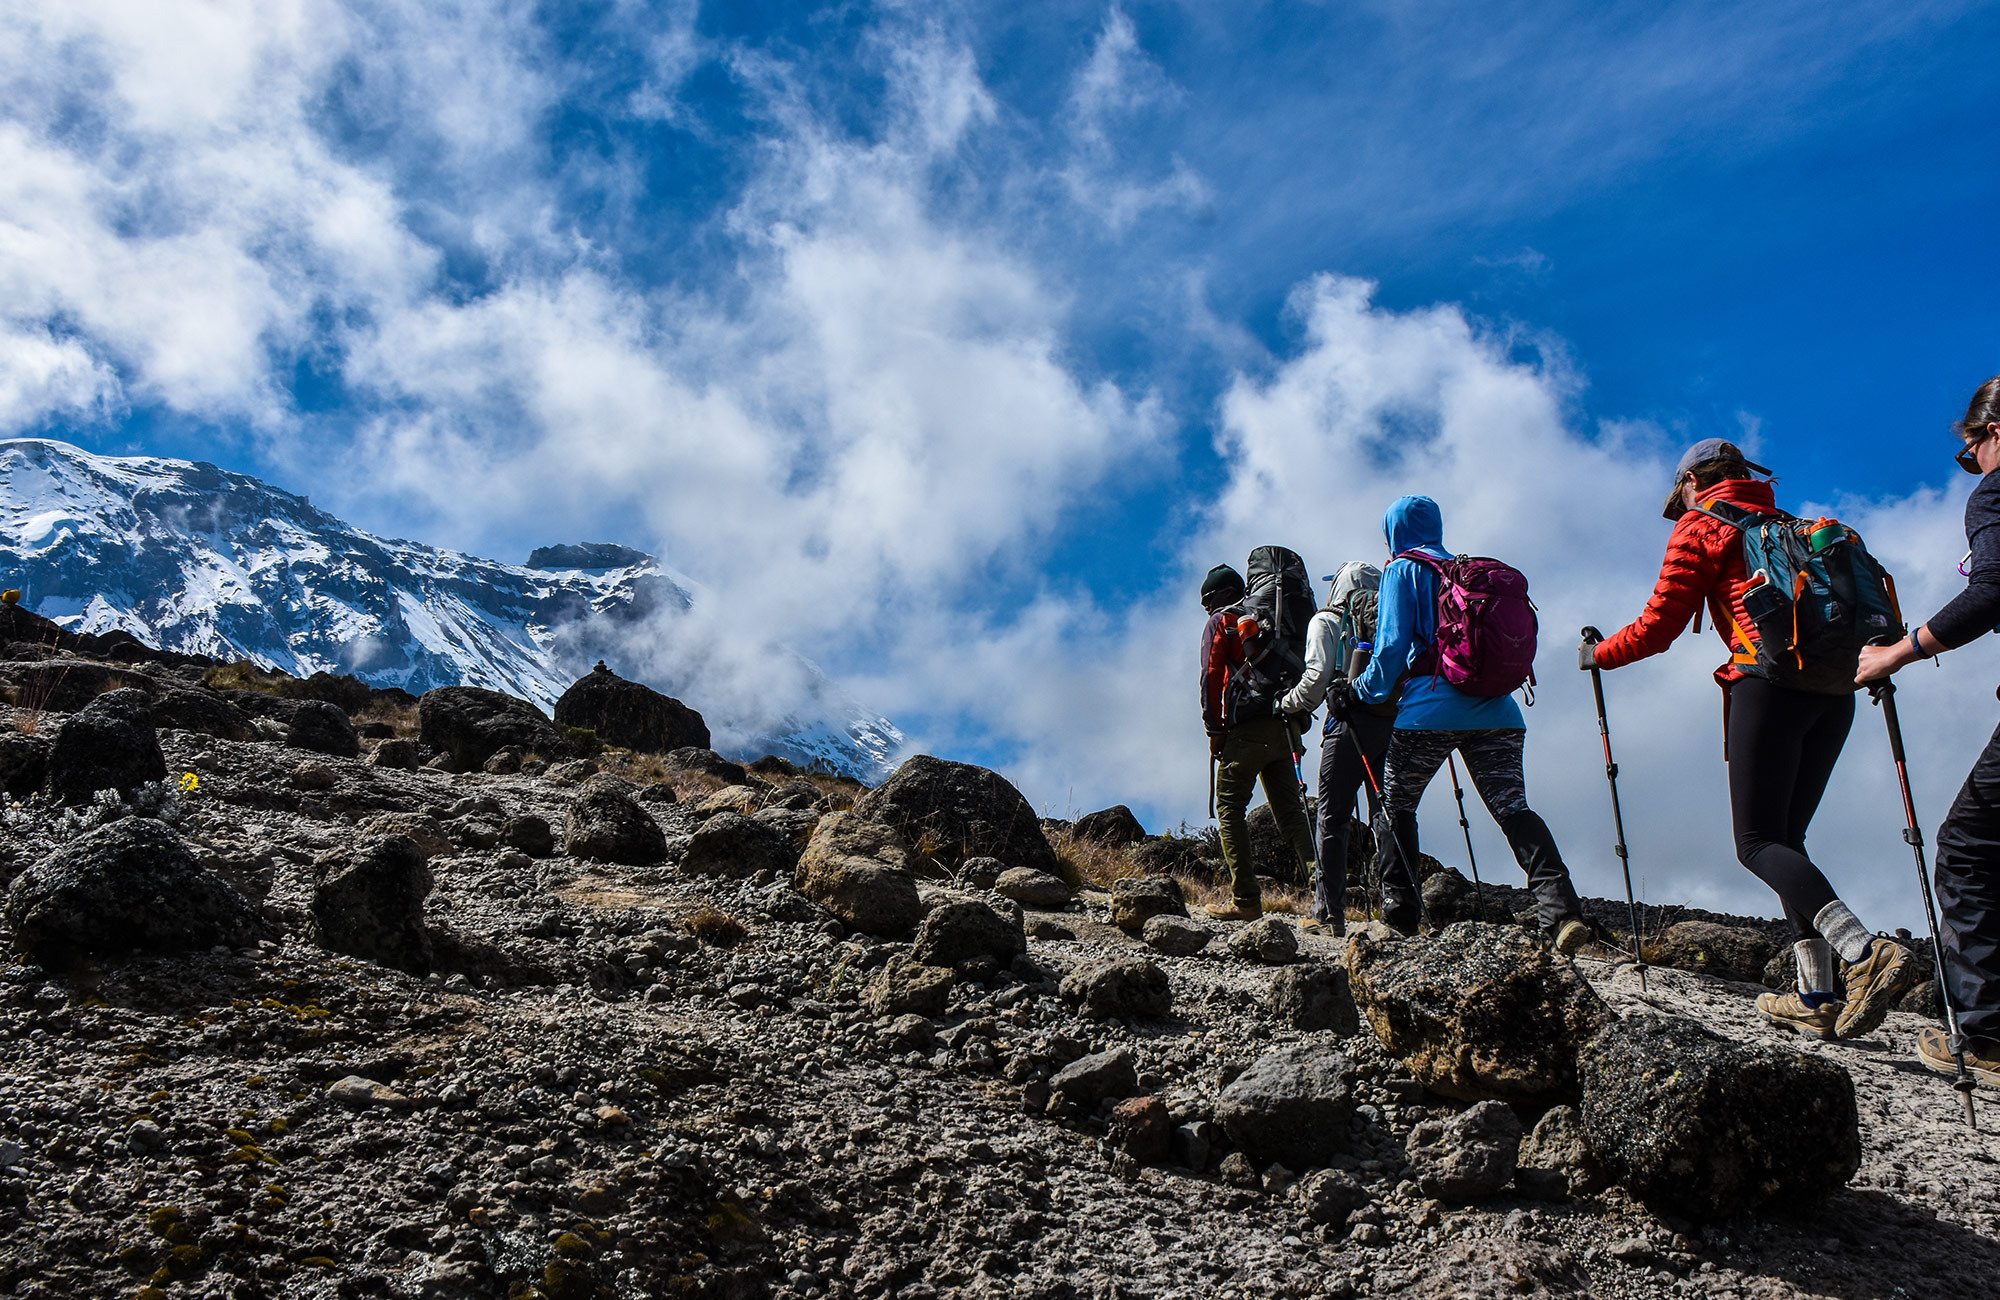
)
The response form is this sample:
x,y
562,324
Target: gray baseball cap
x,y
1701,453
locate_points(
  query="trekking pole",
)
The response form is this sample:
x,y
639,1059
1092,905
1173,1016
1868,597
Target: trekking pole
x,y
1592,636
1211,787
1884,693
1458,793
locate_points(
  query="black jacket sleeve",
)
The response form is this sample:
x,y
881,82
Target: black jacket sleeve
x,y
1975,611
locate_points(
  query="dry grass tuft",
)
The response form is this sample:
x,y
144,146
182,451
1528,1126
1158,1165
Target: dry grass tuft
x,y
716,928
640,769
1087,863
401,718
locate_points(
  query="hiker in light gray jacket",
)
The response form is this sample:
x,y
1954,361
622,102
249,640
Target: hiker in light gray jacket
x,y
1356,735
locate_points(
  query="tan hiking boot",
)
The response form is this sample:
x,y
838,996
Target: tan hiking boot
x,y
1234,910
1789,1011
1982,1056
1874,985
1572,933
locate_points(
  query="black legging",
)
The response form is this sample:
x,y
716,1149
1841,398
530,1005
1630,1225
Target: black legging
x,y
1782,748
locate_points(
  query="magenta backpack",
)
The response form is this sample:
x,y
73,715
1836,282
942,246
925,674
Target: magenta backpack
x,y
1485,643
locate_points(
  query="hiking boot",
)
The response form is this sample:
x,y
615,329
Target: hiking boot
x,y
1401,915
1790,1011
1235,910
1982,1056
1571,934
1874,985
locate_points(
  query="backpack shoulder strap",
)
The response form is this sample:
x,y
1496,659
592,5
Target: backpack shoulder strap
x,y
1728,512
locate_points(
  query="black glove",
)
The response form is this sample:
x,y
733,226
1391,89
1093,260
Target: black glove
x,y
1339,698
1586,656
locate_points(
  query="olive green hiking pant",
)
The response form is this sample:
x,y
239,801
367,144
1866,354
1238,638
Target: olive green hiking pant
x,y
1258,749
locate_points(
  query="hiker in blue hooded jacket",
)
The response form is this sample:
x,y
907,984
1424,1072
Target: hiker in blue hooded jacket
x,y
1434,718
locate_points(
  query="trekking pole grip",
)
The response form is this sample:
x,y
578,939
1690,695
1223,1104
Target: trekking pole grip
x,y
1592,635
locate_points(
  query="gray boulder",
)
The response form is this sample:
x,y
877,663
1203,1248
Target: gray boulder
x,y
370,903
24,762
605,823
904,987
1267,939
130,886
1175,936
1114,827
530,834
426,831
468,725
953,811
629,714
1136,900
1698,1126
855,869
1292,1106
204,711
729,844
1031,888
956,932
1088,1080
1727,952
1314,996
1559,1146
1468,1157
1328,1196
697,758
109,744
323,729
397,753
1478,1013
1124,988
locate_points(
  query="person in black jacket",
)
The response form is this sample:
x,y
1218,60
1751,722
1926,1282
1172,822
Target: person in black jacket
x,y
1968,844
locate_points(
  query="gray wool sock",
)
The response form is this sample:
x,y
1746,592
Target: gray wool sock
x,y
1815,957
1843,929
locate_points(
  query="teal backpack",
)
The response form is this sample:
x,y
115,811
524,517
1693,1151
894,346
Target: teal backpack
x,y
1815,597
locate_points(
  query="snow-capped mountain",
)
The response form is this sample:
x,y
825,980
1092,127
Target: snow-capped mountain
x,y
193,558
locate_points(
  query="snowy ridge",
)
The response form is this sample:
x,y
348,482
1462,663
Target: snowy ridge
x,y
193,558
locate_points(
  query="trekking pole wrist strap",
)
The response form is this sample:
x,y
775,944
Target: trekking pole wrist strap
x,y
1916,644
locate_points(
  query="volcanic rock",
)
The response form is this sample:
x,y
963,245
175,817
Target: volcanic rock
x,y
1088,1080
696,758
1558,1145
1328,1196
729,844
1479,1012
1468,1157
956,932
1267,939
1292,1106
425,830
323,729
468,724
203,711
396,753
1123,988
1449,899
1314,996
1143,1128
530,834
370,903
855,870
1114,827
1137,899
1031,888
953,811
1695,1125
1176,936
129,886
607,824
107,745
630,715
904,986
1725,951
24,762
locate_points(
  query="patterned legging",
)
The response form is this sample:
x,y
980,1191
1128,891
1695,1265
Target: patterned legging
x,y
1493,762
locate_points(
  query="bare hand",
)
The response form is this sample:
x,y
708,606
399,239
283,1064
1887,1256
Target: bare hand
x,y
1878,661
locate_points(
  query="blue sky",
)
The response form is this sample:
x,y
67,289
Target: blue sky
x,y
957,339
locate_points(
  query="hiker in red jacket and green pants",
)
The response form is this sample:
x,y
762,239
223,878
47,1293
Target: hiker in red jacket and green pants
x,y
1249,742
1780,743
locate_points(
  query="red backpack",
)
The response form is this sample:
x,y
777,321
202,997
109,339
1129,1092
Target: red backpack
x,y
1486,625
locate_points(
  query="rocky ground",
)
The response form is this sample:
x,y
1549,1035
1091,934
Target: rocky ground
x,y
651,1080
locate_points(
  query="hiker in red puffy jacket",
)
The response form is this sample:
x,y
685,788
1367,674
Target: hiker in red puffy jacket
x,y
1780,744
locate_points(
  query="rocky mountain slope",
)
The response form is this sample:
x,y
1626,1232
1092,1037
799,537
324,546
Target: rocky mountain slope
x,y
293,1023
199,560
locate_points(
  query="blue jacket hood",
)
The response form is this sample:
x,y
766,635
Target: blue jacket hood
x,y
1411,522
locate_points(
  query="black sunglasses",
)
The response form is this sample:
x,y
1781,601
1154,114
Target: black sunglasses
x,y
1968,455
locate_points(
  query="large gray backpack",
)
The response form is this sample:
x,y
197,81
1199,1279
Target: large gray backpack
x,y
1278,595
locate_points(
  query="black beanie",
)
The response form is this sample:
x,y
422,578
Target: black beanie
x,y
1221,579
